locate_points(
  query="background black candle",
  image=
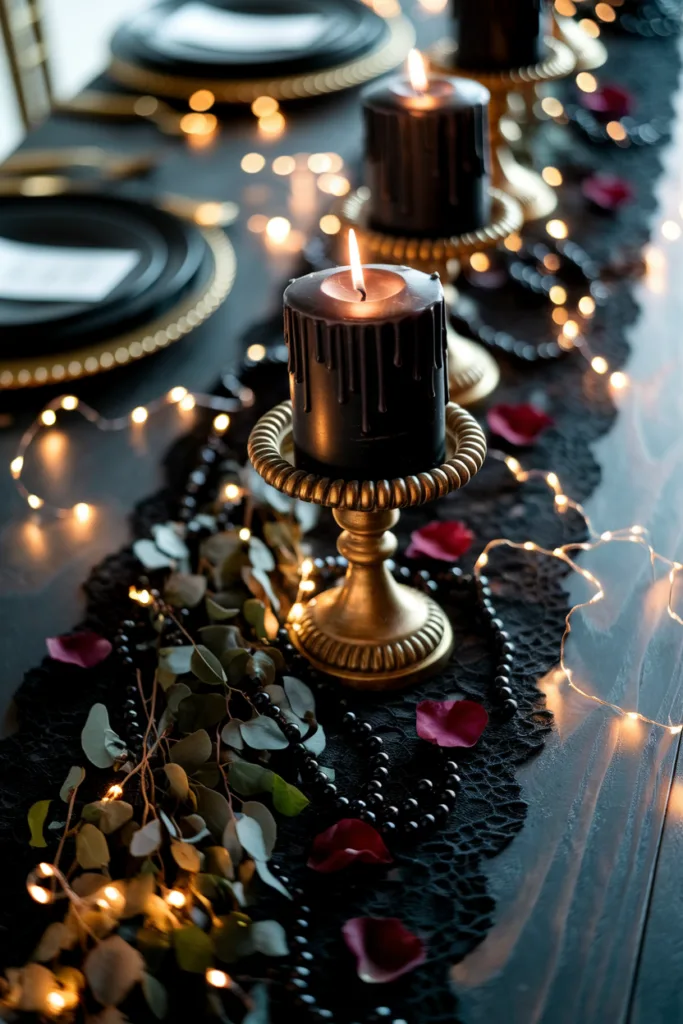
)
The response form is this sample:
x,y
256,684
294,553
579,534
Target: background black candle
x,y
496,35
427,158
368,379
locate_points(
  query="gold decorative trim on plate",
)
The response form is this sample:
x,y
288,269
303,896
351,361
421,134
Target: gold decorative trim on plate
x,y
388,54
143,341
506,217
271,442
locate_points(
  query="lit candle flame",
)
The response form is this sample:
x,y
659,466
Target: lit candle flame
x,y
356,266
417,72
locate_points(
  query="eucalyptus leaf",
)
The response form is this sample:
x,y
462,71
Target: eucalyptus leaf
x,y
92,851
138,890
168,824
112,968
262,668
37,814
206,667
214,808
186,857
146,840
236,664
220,638
317,742
255,612
55,938
193,949
169,542
114,814
267,876
96,737
176,660
287,799
113,744
232,937
217,548
231,734
178,784
217,613
151,557
71,782
263,580
260,813
250,835
177,693
208,775
259,1012
219,862
156,995
270,938
263,733
231,842
260,555
330,772
192,751
277,695
184,590
276,657
300,696
200,711
249,779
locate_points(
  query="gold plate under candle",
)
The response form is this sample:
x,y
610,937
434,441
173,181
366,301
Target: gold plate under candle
x,y
473,372
370,632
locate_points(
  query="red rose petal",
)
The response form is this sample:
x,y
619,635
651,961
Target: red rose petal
x,y
607,191
445,540
82,649
349,840
383,947
451,723
608,102
518,424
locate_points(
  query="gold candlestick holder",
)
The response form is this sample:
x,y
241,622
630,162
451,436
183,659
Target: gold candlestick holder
x,y
370,632
473,372
524,184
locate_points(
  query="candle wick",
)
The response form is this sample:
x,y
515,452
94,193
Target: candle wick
x,y
363,293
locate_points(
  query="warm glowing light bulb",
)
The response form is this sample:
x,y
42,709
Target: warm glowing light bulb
x,y
513,242
306,567
69,402
616,131
513,465
188,403
264,106
480,262
557,229
116,791
671,230
177,394
571,329
482,561
552,479
307,586
591,27
296,611
586,82
221,423
142,597
252,163
177,899
245,534
273,124
48,417
586,306
284,165
56,1001
605,12
82,512
330,224
551,106
552,176
218,979
45,870
561,500
599,364
356,265
334,184
619,380
139,415
633,715
256,353
201,100
40,895
320,163
417,73
557,295
34,501
278,229
113,894
675,729
232,492
16,466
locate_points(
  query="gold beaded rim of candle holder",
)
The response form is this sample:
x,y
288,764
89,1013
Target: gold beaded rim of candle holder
x,y
370,632
590,53
524,184
179,321
473,372
387,55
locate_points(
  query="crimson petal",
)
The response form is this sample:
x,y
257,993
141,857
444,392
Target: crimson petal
x,y
607,191
451,723
349,840
608,102
518,424
383,947
445,540
83,649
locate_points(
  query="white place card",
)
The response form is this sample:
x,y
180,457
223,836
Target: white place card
x,y
53,273
210,28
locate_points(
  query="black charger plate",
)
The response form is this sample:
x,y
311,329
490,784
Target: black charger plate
x,y
354,43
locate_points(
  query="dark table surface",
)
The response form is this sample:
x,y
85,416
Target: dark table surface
x,y
589,922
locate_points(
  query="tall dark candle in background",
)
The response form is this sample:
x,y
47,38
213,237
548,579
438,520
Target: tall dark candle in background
x,y
368,376
427,159
496,35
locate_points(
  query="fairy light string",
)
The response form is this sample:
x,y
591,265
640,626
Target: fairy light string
x,y
636,534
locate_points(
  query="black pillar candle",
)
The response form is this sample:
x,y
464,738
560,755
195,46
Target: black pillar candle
x,y
368,378
427,155
497,35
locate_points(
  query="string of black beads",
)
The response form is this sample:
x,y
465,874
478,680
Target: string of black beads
x,y
637,133
502,693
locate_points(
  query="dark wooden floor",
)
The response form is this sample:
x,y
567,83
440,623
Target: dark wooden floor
x,y
589,925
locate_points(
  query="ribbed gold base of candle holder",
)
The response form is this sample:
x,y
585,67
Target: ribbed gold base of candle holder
x,y
522,183
473,372
370,632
